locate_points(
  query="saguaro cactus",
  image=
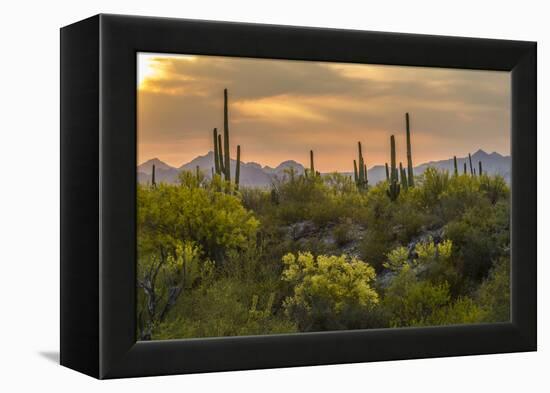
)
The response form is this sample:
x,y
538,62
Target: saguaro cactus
x,y
403,175
409,153
227,163
387,173
216,153
471,167
238,167
393,189
360,170
465,170
311,164
480,168
456,166
153,182
222,159
220,155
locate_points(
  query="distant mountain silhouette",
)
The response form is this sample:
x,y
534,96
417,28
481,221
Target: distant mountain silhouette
x,y
254,175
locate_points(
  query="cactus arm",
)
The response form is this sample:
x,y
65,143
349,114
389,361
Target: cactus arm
x,y
387,173
394,187
227,163
216,154
361,166
220,157
355,175
409,153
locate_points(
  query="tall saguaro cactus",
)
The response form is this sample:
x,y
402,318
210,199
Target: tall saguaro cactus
x,y
311,164
238,167
222,159
216,152
409,153
471,167
456,166
480,168
393,188
227,163
153,181
465,170
360,169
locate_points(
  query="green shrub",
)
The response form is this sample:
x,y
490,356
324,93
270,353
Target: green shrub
x,y
214,220
494,293
224,308
330,292
462,311
480,236
409,301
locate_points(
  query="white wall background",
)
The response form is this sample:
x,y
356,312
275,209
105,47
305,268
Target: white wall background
x,y
29,205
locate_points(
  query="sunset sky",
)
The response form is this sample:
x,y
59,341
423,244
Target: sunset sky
x,y
280,109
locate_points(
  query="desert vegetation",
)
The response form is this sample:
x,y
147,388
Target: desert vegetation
x,y
320,252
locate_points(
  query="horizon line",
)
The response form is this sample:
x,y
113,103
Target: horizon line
x,y
263,166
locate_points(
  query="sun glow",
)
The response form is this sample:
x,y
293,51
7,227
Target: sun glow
x,y
151,66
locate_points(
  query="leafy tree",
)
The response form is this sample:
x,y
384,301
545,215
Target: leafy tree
x,y
330,292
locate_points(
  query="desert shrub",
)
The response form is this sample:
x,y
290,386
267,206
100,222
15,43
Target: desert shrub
x,y
255,199
480,235
435,260
339,183
494,292
380,236
163,278
375,245
433,184
461,194
396,259
494,188
215,220
225,308
463,310
408,219
329,292
343,231
409,301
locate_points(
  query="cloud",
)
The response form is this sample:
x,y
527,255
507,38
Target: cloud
x,y
281,109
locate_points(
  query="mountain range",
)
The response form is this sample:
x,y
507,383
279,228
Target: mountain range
x,y
254,175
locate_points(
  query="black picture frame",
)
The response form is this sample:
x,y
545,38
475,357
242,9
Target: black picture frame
x,y
98,196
